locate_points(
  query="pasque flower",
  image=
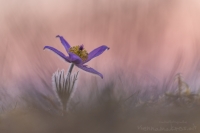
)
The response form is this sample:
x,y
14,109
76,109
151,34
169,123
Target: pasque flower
x,y
78,55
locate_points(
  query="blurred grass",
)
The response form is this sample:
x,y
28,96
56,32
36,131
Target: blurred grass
x,y
106,111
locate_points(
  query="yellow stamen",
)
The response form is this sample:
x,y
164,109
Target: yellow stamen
x,y
81,53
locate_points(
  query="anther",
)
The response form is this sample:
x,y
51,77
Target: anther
x,y
81,47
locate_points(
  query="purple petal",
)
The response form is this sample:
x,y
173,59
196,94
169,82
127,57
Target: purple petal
x,y
74,58
90,70
96,52
66,58
64,42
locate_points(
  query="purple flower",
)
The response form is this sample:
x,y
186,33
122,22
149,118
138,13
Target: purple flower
x,y
78,55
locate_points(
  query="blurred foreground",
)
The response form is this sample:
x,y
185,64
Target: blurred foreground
x,y
108,110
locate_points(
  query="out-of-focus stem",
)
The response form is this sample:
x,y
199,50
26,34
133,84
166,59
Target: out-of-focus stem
x,y
64,110
68,76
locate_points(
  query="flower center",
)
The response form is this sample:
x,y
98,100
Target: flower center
x,y
80,51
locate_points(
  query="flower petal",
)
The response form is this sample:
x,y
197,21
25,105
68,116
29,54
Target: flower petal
x,y
74,58
66,58
96,52
89,69
64,42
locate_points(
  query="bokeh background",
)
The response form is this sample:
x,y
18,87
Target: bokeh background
x,y
150,41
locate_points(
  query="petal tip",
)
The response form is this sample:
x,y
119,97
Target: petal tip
x,y
100,75
58,36
44,47
106,47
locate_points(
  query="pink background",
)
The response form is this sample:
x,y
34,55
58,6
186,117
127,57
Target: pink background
x,y
146,37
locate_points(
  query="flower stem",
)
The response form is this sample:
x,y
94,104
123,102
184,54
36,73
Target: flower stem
x,y
70,68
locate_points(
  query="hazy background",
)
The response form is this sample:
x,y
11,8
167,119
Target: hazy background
x,y
148,39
